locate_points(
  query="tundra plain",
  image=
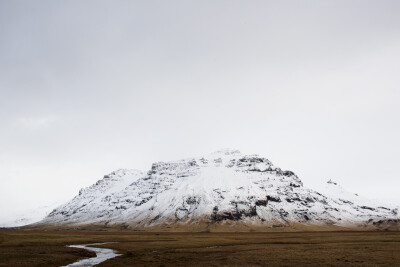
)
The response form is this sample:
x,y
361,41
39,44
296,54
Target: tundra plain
x,y
333,248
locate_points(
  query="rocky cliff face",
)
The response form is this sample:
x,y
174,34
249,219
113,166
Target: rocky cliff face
x,y
222,187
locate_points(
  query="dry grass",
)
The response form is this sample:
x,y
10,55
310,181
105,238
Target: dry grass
x,y
29,248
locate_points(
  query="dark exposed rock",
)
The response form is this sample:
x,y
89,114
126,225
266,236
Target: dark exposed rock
x,y
310,199
144,200
219,160
283,213
366,208
262,202
346,201
331,182
324,202
273,199
288,173
253,211
203,160
248,161
192,200
235,214
193,163
231,163
293,199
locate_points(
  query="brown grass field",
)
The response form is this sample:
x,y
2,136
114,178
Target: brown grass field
x,y
42,248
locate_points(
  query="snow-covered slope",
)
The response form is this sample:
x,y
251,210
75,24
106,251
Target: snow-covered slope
x,y
334,190
225,186
30,216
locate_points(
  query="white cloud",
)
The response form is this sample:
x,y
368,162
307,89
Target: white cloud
x,y
36,123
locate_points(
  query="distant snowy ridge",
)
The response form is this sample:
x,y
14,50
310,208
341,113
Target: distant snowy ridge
x,y
225,186
32,216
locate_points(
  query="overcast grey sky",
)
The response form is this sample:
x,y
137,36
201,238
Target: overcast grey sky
x,y
87,87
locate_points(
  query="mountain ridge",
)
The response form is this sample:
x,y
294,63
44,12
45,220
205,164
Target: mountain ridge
x,y
224,188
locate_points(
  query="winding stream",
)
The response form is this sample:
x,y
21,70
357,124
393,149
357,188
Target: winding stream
x,y
102,254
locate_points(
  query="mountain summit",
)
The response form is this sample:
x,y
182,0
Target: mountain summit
x,y
222,190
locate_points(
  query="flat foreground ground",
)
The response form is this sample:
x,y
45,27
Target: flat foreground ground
x,y
27,248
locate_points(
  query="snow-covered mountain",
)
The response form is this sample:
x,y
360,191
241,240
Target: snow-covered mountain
x,y
222,188
30,216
